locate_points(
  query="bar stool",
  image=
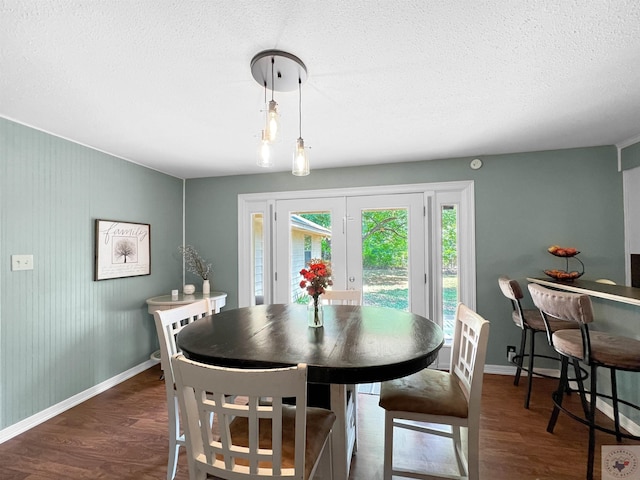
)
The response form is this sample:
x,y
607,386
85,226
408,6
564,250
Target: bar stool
x,y
530,322
595,349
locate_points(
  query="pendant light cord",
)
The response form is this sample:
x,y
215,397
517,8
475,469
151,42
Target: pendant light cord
x,y
273,60
300,105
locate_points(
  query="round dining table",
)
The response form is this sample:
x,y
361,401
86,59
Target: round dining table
x,y
356,344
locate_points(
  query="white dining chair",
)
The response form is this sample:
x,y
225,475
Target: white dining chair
x,y
346,297
450,398
342,297
254,439
168,325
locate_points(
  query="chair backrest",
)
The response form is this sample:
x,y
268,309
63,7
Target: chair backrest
x,y
342,297
206,389
510,288
168,325
468,355
574,307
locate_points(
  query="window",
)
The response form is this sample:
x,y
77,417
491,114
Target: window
x,y
449,271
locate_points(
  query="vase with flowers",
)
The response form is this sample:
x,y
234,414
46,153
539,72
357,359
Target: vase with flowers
x,y
315,279
197,265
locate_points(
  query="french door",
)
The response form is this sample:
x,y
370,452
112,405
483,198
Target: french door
x,y
374,243
386,244
304,229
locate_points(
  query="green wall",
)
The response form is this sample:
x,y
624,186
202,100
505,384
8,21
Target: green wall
x,y
62,333
630,156
524,203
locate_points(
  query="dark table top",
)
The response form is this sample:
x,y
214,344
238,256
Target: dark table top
x,y
356,345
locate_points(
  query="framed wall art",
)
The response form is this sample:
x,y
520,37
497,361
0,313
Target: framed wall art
x,y
122,249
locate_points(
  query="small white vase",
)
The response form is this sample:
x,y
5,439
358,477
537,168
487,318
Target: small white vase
x,y
206,287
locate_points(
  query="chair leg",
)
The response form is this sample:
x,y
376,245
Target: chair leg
x,y
324,469
614,398
388,445
592,421
523,341
473,452
354,393
532,344
558,394
583,395
174,431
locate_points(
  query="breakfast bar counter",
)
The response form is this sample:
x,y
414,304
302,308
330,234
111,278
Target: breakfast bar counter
x,y
616,293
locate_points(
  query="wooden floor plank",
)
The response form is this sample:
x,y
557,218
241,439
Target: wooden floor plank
x,y
122,434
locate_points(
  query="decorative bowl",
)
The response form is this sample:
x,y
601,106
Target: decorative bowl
x,y
563,274
189,289
562,251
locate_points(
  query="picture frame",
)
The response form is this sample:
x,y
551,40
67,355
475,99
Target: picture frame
x,y
122,249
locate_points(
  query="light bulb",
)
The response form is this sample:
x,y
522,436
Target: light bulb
x,y
300,160
264,152
272,121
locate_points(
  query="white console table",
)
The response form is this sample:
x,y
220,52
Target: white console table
x,y
167,302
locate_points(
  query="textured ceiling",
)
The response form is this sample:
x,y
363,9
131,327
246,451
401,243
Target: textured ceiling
x,y
168,84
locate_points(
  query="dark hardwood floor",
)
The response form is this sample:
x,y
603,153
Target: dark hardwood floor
x,y
122,434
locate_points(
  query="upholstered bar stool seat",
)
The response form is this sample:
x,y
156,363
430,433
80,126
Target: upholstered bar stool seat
x,y
608,350
531,323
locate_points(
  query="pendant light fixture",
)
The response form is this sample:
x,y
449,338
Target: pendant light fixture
x,y
300,166
282,72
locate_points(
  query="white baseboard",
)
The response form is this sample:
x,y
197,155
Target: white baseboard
x,y
511,370
48,413
626,423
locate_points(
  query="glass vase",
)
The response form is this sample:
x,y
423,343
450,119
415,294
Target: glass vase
x,y
315,315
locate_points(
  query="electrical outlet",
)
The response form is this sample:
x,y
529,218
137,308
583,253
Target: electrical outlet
x,y
511,353
21,262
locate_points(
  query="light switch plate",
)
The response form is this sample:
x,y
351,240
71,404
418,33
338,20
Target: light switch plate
x,y
21,262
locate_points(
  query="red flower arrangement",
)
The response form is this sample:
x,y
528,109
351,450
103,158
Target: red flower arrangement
x,y
315,279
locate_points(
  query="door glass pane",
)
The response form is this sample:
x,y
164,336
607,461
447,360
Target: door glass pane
x,y
385,258
310,239
257,257
450,280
